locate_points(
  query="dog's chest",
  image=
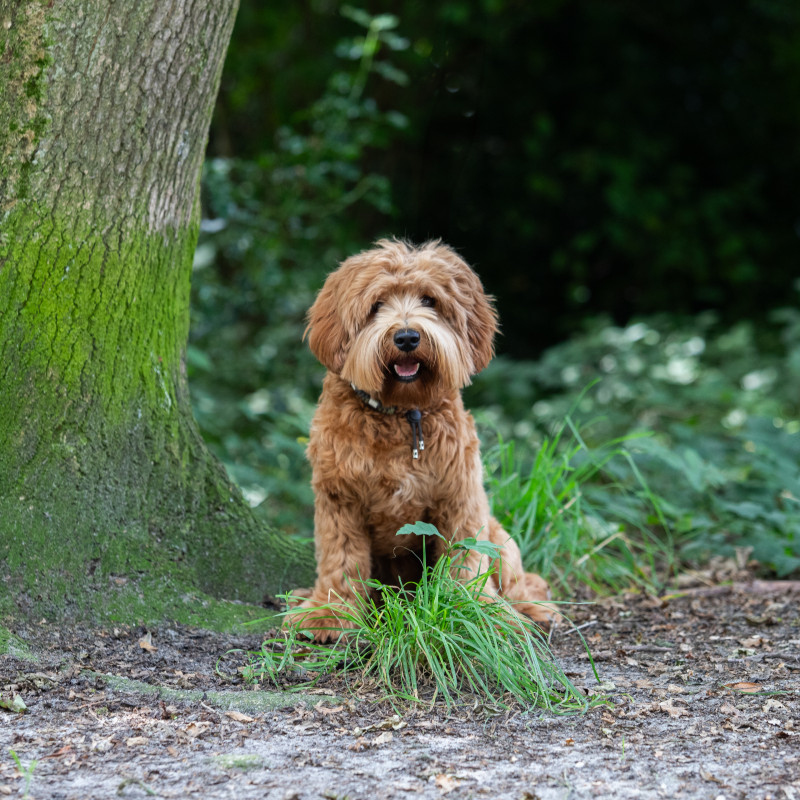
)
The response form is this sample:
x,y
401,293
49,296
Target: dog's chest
x,y
393,479
395,494
408,492
375,461
366,459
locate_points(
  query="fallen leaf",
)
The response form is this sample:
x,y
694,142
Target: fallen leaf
x,y
675,689
237,716
41,680
359,744
673,710
773,705
172,751
136,741
743,686
323,709
569,742
14,703
727,708
751,641
62,751
195,729
446,783
146,643
393,723
383,738
102,745
644,683
5,789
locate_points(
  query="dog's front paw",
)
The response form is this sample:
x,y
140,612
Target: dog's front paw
x,y
543,614
533,599
320,619
296,596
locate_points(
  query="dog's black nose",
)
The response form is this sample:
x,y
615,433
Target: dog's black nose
x,y
406,340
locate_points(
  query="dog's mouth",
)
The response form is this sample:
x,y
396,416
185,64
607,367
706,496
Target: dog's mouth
x,y
406,370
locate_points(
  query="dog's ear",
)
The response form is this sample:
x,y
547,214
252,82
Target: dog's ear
x,y
481,328
481,321
325,331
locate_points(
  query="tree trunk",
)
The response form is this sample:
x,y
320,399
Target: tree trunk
x,y
106,488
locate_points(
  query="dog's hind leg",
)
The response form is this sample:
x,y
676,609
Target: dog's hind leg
x,y
526,591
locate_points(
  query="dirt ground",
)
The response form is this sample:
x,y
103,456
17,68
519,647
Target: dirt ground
x,y
705,693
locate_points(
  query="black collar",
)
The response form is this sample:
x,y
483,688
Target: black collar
x,y
413,415
370,401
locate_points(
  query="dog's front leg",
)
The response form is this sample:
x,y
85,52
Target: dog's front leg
x,y
343,563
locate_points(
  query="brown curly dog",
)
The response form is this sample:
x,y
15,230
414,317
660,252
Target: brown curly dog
x,y
401,330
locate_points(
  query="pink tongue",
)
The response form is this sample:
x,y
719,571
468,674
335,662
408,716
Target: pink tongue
x,y
407,370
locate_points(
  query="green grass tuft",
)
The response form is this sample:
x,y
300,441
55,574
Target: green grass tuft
x,y
581,514
440,639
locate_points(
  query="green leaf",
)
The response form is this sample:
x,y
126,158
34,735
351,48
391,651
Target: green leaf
x,y
357,15
15,703
482,546
391,73
385,22
745,509
420,529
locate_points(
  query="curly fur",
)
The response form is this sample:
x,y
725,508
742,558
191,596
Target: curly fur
x,y
366,483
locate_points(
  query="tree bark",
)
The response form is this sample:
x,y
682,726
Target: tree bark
x,y
105,484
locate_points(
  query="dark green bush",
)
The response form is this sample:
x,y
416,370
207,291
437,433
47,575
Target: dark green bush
x,y
723,405
589,156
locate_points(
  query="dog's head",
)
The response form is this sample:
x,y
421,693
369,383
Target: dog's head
x,y
403,323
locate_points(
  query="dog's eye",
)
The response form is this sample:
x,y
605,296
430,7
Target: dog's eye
x,y
427,301
375,307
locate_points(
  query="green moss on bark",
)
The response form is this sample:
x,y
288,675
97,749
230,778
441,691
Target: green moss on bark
x,y
110,504
109,501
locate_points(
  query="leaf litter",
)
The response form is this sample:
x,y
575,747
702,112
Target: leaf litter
x,y
704,701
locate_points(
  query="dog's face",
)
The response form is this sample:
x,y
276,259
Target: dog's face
x,y
403,323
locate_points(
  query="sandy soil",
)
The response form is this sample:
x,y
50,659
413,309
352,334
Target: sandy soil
x,y
705,695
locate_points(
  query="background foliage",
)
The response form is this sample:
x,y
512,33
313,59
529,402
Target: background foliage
x,y
622,176
587,155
